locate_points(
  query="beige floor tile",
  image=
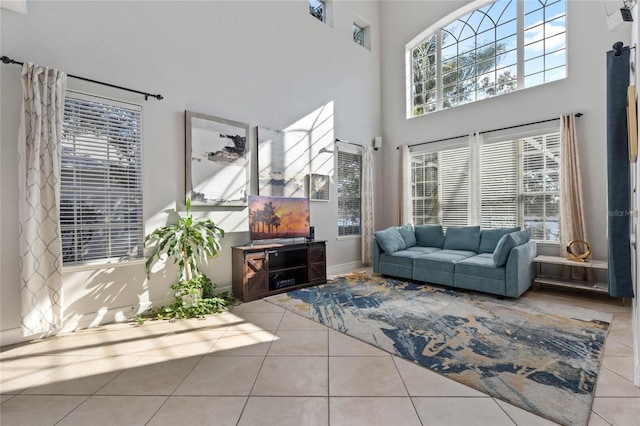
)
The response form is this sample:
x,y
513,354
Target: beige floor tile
x,y
364,376
420,381
221,376
292,376
460,411
84,376
151,376
243,343
291,321
114,410
621,336
12,352
372,411
612,385
523,417
621,321
257,306
256,321
5,397
300,343
71,344
596,420
342,345
289,411
618,411
622,366
199,410
187,344
19,374
34,410
613,348
129,343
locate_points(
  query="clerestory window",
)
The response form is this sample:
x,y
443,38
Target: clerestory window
x,y
500,47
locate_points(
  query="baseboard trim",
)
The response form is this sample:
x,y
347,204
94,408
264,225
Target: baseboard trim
x,y
343,268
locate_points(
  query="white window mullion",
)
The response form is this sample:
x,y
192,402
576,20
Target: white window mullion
x,y
520,51
439,71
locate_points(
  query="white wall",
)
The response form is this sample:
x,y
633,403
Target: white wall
x,y
583,91
265,63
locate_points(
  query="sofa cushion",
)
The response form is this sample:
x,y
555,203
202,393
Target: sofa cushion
x,y
408,235
481,265
441,260
489,238
422,250
390,240
462,238
507,242
429,236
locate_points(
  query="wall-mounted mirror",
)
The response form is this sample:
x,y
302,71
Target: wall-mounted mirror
x,y
217,161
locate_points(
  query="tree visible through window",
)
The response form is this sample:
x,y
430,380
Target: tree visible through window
x,y
101,180
349,192
476,55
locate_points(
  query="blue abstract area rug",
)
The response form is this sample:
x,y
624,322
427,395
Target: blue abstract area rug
x,y
539,356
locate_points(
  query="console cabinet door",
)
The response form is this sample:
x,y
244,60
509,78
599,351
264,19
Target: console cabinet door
x,y
317,264
255,272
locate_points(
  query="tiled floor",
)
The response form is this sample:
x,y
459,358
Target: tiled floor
x,y
260,365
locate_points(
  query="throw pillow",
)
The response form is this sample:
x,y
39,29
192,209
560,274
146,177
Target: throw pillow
x,y
429,236
390,240
489,238
506,243
462,238
408,235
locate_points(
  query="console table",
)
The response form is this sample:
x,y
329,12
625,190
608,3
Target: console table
x,y
590,286
263,270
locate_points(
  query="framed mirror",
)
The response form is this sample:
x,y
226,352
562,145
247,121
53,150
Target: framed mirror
x,y
217,161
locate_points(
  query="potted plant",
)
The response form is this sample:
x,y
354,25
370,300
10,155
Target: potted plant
x,y
188,242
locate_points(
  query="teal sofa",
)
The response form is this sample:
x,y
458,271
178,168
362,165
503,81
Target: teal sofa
x,y
496,261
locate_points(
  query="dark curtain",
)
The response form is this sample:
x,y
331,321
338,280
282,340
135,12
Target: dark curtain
x,y
618,185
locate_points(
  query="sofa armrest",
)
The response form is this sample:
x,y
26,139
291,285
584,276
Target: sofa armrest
x,y
519,269
376,255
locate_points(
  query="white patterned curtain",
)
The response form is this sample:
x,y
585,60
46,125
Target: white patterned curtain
x,y
39,205
474,182
405,214
572,225
367,225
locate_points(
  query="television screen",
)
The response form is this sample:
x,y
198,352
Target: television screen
x,y
278,217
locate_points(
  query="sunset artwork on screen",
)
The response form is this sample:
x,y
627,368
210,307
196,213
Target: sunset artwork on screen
x,y
278,217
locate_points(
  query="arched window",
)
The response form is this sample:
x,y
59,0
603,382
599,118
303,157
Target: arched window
x,y
500,47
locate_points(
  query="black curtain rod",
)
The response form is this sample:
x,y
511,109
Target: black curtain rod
x,y
578,114
7,60
350,143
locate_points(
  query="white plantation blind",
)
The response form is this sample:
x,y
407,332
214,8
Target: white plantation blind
x,y
453,175
518,185
540,196
349,192
499,170
101,185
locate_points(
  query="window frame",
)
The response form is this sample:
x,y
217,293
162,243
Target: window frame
x,y
92,148
521,81
342,150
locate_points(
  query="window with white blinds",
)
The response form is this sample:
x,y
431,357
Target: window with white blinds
x,y
540,193
349,192
518,184
101,180
440,182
